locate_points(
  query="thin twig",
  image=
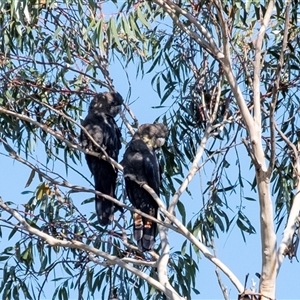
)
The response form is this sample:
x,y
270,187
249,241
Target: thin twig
x,y
276,87
188,235
59,136
107,259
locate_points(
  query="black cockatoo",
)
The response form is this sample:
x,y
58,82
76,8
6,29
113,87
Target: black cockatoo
x,y
141,164
100,124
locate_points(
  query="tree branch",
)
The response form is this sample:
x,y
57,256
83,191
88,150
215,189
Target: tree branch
x,y
73,244
224,28
173,10
277,86
194,168
59,136
66,184
163,260
226,64
187,234
257,65
295,208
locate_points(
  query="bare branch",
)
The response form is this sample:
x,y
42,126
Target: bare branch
x,y
290,227
187,234
277,86
224,28
163,260
288,142
226,64
295,208
65,183
93,252
194,168
173,10
127,124
217,103
217,271
59,136
70,120
258,63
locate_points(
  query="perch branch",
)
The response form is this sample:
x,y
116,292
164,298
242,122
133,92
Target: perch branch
x,y
59,136
66,184
194,168
187,234
73,244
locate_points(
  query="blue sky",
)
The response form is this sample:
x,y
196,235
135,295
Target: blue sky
x,y
240,257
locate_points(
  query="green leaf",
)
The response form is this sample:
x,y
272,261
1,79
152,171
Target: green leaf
x,y
3,258
182,211
113,34
12,233
15,292
141,17
25,290
250,199
62,294
183,247
31,176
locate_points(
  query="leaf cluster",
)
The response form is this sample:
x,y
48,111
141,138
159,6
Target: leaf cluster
x,y
54,62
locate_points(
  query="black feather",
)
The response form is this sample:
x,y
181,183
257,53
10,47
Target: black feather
x,y
141,167
101,125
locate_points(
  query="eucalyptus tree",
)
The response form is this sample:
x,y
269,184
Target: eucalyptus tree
x,y
227,75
